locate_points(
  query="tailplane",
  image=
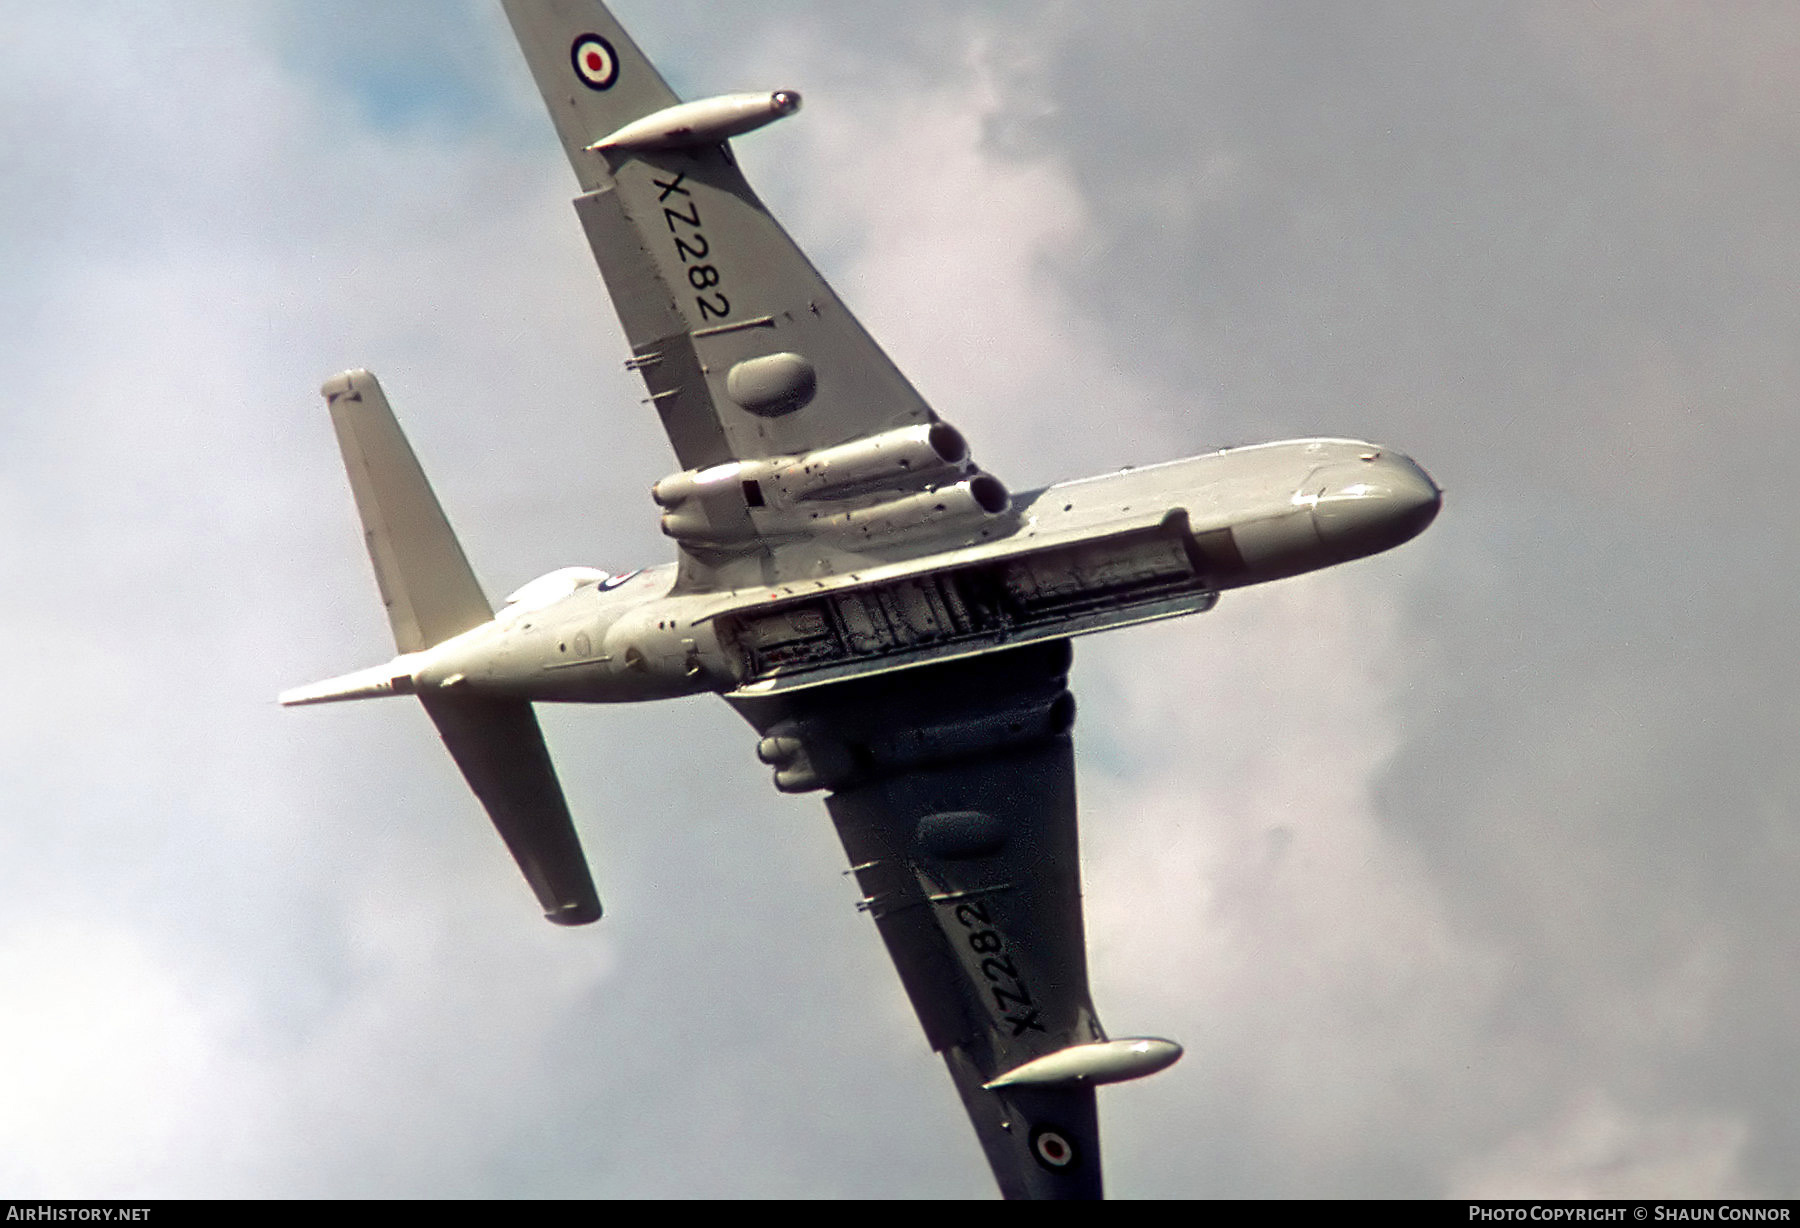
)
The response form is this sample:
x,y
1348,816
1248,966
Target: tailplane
x,y
431,595
425,579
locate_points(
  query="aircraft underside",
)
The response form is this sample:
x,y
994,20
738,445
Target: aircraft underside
x,y
892,621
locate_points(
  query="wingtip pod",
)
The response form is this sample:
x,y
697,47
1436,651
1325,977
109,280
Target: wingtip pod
x,y
705,122
345,383
1108,1061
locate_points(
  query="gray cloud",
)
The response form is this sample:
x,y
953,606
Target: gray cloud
x,y
1464,871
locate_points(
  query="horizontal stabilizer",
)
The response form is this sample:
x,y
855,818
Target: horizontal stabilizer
x,y
500,749
426,583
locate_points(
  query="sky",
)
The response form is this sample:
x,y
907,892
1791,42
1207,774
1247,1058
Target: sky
x,y
1462,871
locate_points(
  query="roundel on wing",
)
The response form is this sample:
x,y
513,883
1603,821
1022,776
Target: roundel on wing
x,y
596,63
1053,1149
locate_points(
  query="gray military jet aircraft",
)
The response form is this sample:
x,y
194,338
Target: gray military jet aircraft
x,y
892,620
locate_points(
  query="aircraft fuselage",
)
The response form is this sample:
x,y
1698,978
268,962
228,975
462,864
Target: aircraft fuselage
x,y
1081,556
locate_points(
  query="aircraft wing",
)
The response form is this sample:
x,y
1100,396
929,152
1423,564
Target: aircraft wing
x,y
703,278
953,791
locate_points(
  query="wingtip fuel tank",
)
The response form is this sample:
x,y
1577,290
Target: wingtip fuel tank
x,y
705,122
1106,1061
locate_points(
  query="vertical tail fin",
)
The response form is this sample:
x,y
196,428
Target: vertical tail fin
x,y
426,583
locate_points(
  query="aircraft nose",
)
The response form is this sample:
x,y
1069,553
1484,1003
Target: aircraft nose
x,y
1372,504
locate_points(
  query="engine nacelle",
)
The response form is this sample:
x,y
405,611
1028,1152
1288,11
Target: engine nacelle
x,y
807,758
704,122
903,459
976,498
979,497
680,488
893,460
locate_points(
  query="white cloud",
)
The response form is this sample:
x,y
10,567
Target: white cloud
x,y
1593,1148
1247,894
111,1061
258,952
961,249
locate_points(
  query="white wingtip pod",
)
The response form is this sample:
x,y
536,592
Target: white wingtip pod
x,y
1110,1061
705,122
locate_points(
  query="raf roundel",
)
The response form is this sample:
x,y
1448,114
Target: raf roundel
x,y
596,63
1052,1149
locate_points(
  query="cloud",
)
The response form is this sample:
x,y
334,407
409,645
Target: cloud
x,y
1594,1149
1464,870
112,1058
1008,356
